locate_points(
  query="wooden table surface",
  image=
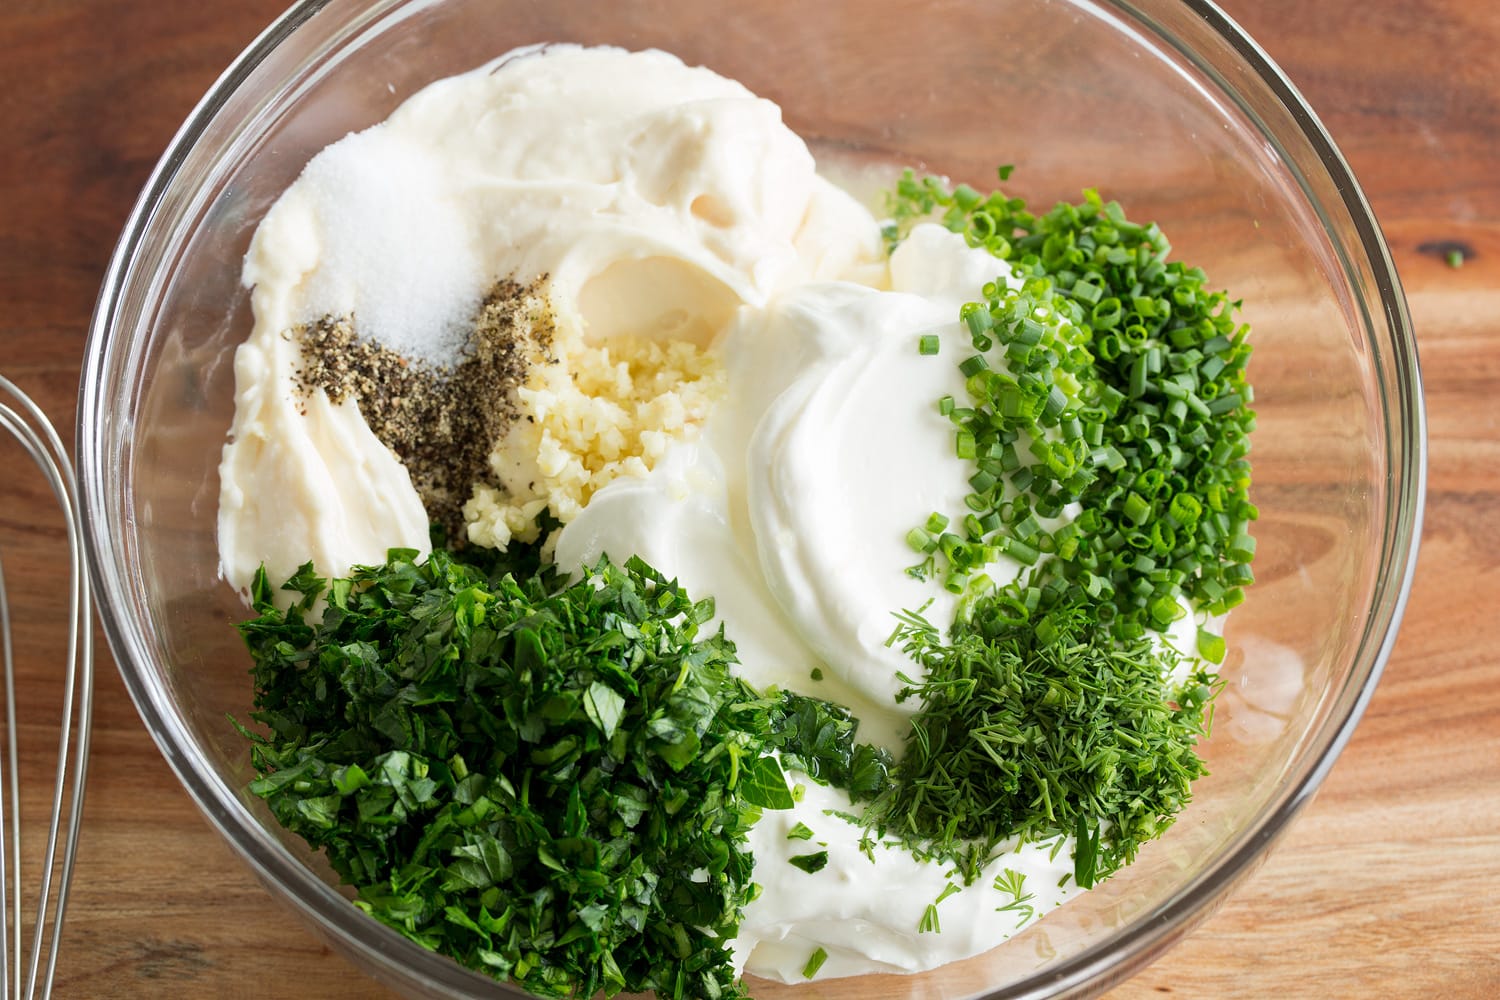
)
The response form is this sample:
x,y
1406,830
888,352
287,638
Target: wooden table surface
x,y
1386,886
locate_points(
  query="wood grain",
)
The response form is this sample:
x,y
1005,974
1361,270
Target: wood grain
x,y
1388,885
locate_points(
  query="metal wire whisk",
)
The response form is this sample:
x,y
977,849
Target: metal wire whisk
x,y
25,421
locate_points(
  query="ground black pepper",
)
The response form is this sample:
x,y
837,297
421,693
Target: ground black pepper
x,y
442,422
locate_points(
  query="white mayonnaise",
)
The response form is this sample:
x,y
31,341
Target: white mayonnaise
x,y
658,197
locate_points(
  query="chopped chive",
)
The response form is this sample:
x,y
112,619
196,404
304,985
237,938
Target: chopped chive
x,y
1021,552
1242,548
1210,646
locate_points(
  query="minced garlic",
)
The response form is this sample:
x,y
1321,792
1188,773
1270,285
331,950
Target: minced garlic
x,y
596,412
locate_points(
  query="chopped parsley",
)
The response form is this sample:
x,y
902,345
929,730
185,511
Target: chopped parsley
x,y
810,863
550,783
816,737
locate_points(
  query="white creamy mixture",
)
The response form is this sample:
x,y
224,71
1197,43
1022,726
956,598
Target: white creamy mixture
x,y
668,202
658,198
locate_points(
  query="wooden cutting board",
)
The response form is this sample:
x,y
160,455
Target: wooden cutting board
x,y
1388,885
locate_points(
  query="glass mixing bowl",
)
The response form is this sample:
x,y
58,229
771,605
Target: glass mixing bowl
x,y
1163,104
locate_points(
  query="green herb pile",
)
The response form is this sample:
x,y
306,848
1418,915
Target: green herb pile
x,y
1033,729
816,738
1113,379
549,783
1108,377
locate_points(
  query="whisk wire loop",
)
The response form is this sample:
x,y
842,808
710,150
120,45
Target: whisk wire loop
x,y
26,422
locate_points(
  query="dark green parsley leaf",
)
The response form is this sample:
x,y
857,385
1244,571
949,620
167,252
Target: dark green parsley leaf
x,y
764,784
816,737
605,707
548,782
810,863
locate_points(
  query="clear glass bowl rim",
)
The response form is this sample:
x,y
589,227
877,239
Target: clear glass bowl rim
x,y
1105,962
